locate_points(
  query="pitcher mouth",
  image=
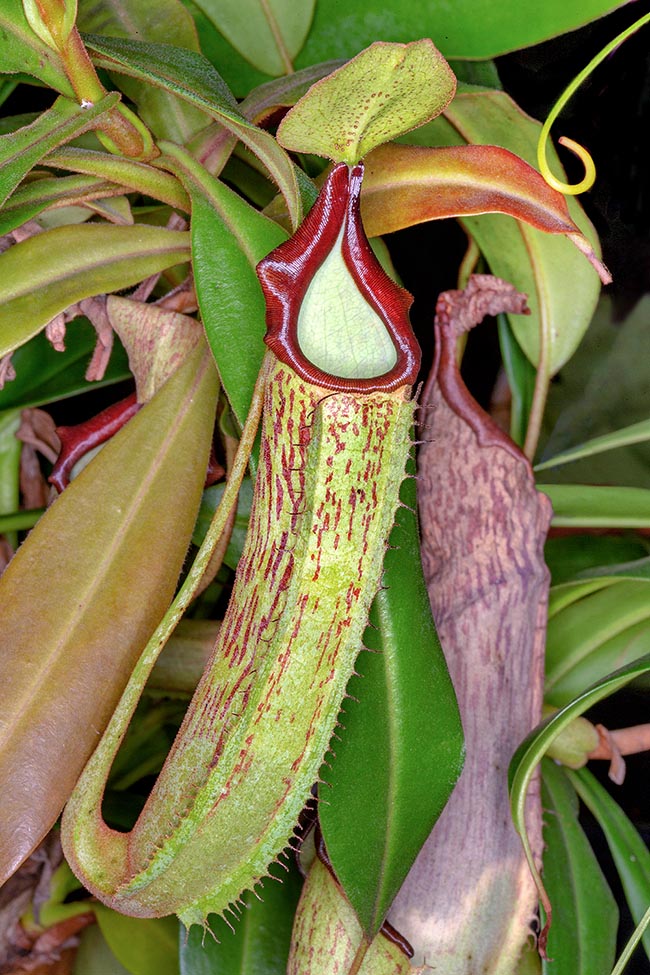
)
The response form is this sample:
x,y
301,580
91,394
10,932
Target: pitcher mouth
x,y
296,332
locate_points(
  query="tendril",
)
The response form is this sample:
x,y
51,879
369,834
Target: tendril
x,y
572,189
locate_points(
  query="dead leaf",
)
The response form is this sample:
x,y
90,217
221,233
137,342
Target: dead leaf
x,y
483,527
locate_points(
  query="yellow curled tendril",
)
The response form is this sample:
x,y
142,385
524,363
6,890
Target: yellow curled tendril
x,y
573,189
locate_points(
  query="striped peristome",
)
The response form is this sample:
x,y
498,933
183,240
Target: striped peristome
x,y
333,453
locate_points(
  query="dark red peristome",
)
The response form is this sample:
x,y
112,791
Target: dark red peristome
x,y
77,440
286,273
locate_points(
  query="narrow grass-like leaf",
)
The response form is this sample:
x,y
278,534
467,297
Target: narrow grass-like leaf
x,y
260,941
629,851
69,263
534,747
144,946
582,940
521,380
44,375
382,93
269,35
229,238
595,506
635,433
125,172
581,643
28,201
100,567
21,51
191,76
401,744
21,150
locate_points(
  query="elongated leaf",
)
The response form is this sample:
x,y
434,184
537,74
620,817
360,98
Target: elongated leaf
x,y
165,20
190,76
521,380
64,265
401,745
22,51
582,940
594,506
534,747
636,433
143,946
384,92
259,943
101,566
21,150
574,555
464,29
627,847
43,194
268,34
44,375
562,290
229,237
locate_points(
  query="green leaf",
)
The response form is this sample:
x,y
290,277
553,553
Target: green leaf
x,y
21,150
636,433
101,565
401,746
44,375
22,51
165,115
229,238
562,289
268,34
69,263
464,29
582,939
259,943
128,173
190,76
570,555
521,380
43,194
628,849
385,91
595,506
535,745
94,957
144,946
595,634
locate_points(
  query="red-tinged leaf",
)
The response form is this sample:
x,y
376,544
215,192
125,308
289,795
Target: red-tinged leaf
x,y
483,528
190,76
405,185
22,51
65,265
21,150
35,197
83,594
